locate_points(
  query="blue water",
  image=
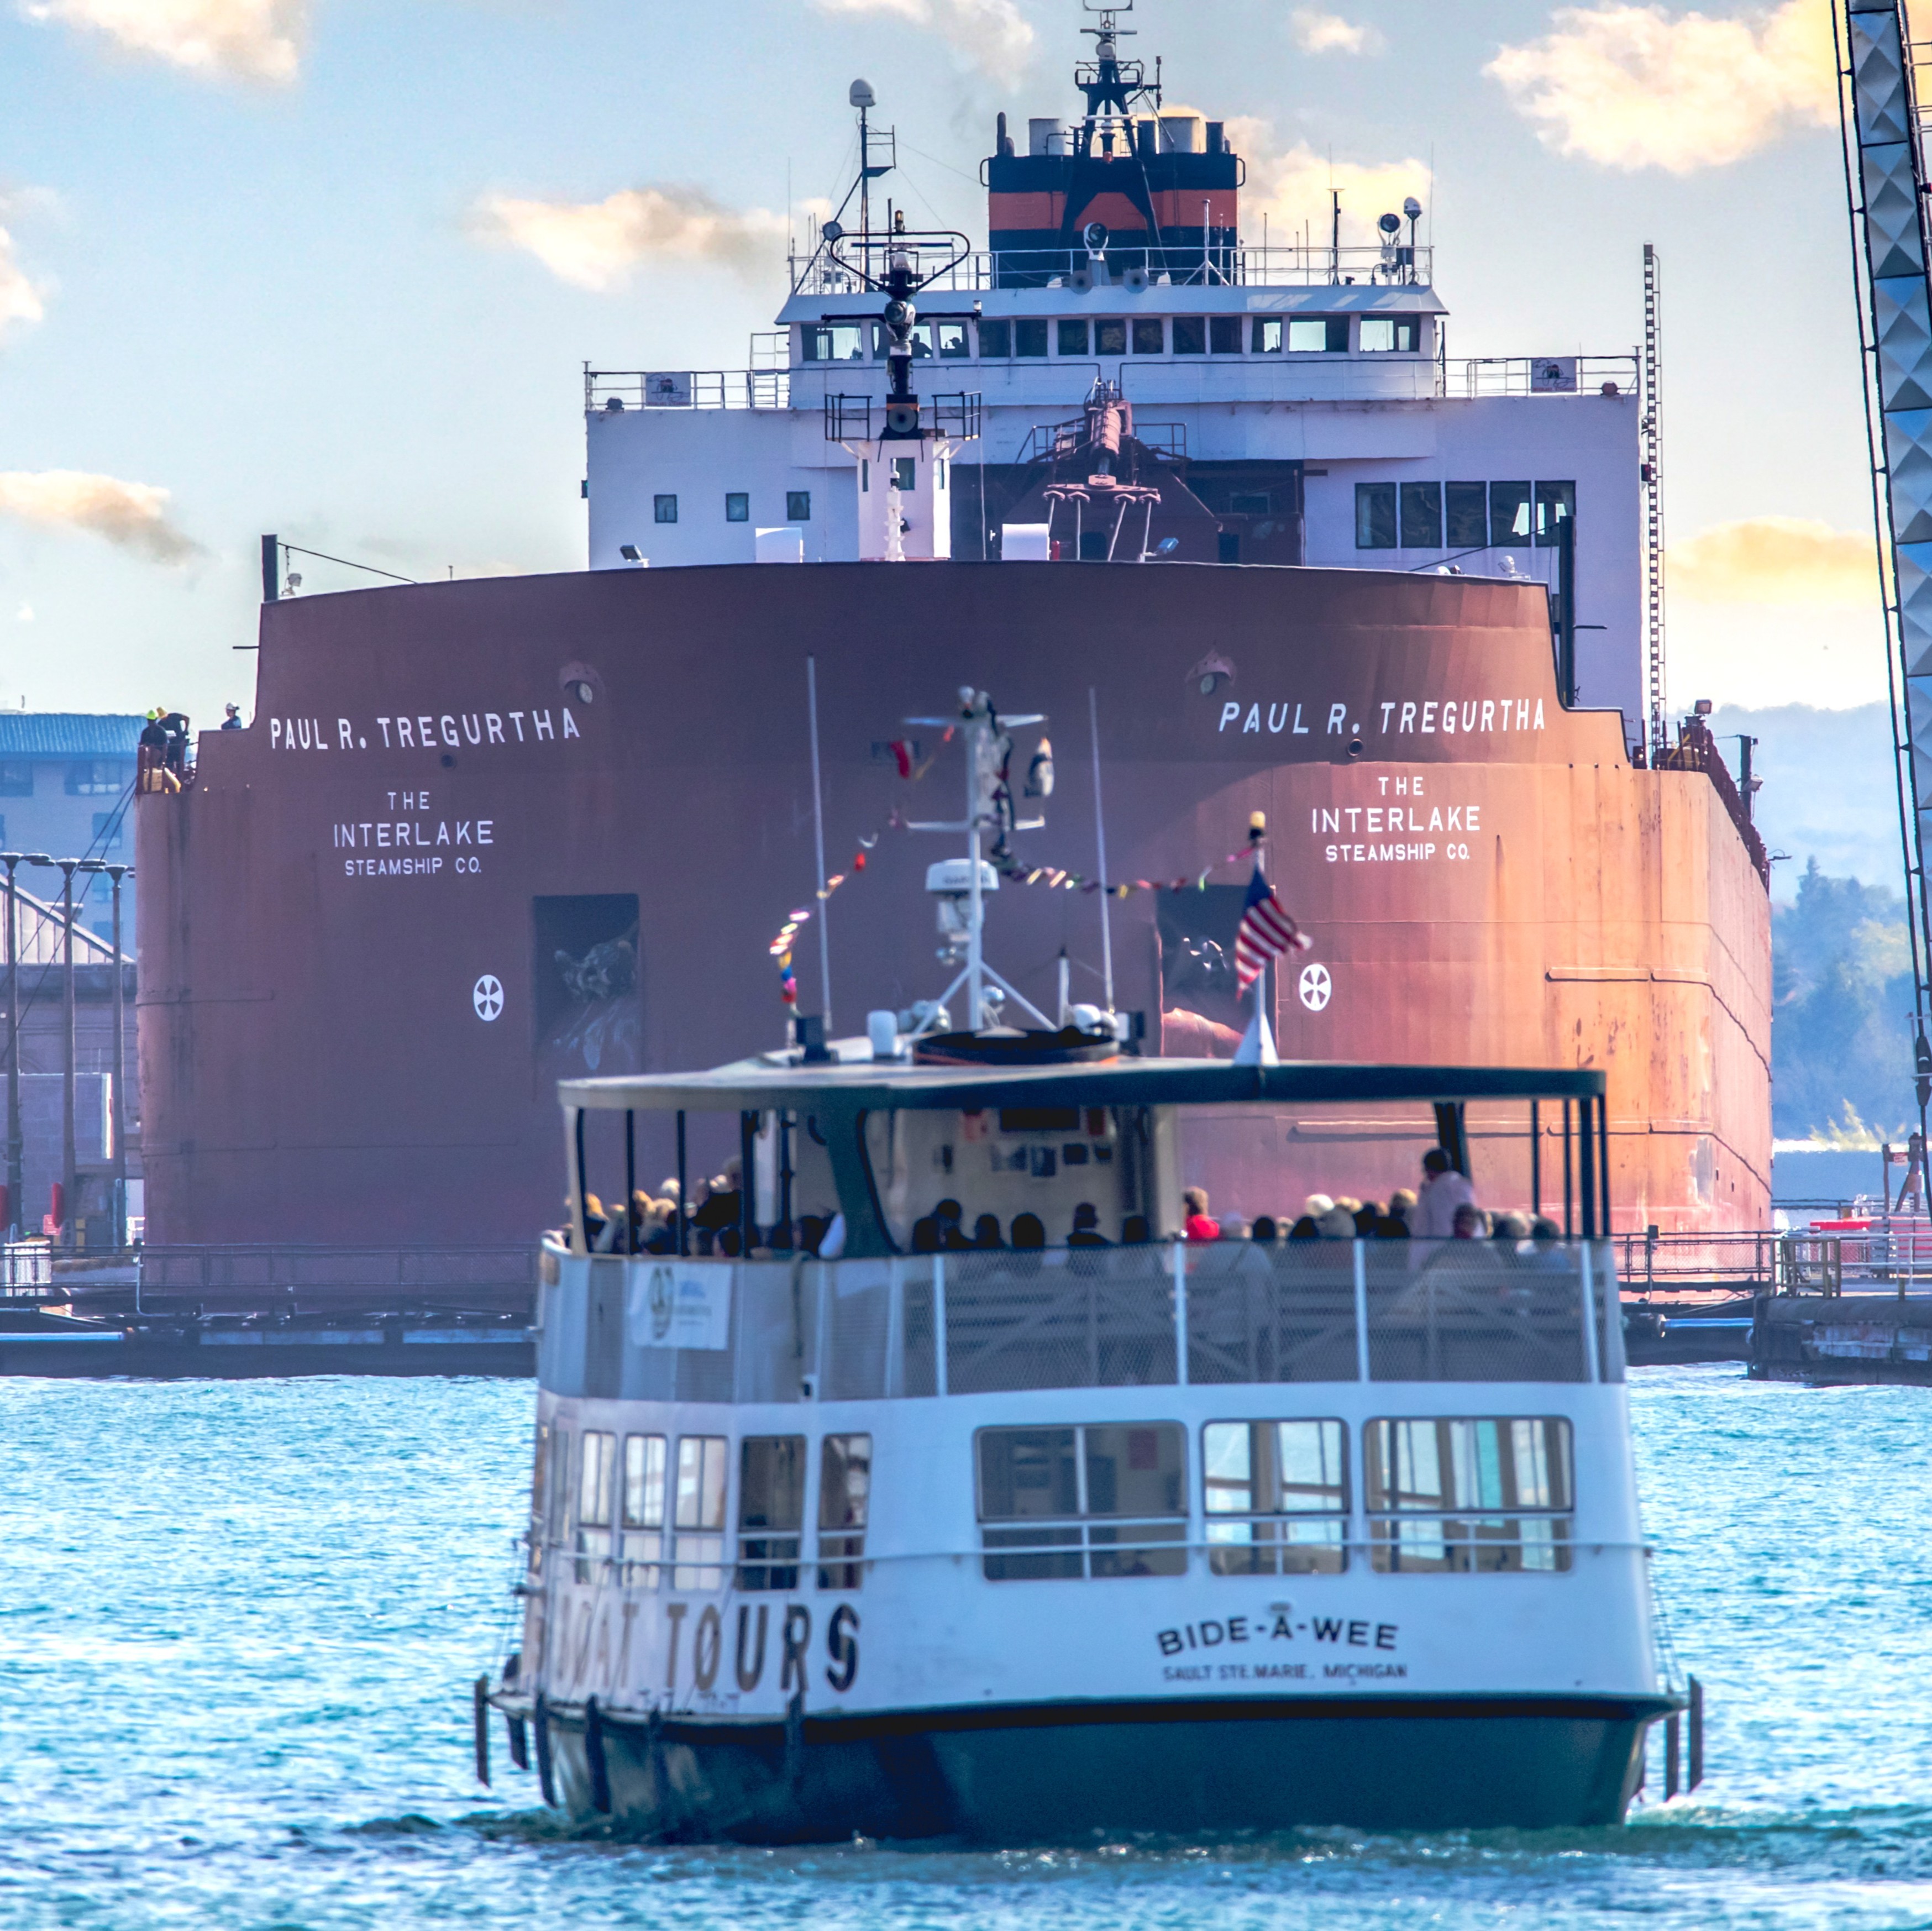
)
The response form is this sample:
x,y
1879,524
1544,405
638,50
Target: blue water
x,y
238,1624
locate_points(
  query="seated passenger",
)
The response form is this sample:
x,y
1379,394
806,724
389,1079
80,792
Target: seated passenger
x,y
986,1231
1305,1229
1511,1227
1087,1228
723,1202
1402,1207
927,1237
1471,1222
1317,1204
1200,1225
1264,1229
1337,1224
1134,1231
952,1235
1391,1227
1366,1217
1029,1231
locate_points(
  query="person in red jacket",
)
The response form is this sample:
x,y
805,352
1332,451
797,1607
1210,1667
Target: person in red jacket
x,y
1200,1225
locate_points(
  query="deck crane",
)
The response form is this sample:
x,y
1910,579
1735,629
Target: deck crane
x,y
1885,183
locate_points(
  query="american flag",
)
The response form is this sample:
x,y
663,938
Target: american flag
x,y
1266,931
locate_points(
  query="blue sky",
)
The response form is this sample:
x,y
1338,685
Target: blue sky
x,y
259,236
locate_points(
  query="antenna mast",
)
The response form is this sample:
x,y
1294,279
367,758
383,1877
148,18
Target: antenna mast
x,y
1652,427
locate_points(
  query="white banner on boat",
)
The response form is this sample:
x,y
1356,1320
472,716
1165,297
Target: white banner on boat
x,y
672,1304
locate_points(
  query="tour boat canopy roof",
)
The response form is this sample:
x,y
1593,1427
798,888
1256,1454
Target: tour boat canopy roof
x,y
868,1085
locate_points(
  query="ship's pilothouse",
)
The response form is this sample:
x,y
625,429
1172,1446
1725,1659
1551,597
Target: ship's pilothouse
x,y
941,1475
1302,386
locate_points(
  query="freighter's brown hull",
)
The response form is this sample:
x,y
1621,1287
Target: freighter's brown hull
x,y
318,1062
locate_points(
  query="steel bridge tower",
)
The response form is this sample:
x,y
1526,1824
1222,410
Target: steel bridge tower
x,y
1885,190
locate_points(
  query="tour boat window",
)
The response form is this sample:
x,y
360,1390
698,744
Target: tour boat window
x,y
1385,334
1555,502
557,1513
1422,516
737,506
844,1499
798,506
1509,516
1071,337
1190,335
597,1467
1149,335
540,1494
664,509
954,344
1099,1500
1277,1496
698,1525
1224,334
835,342
1266,340
996,340
1030,336
1110,338
644,1467
1469,509
771,1509
1318,335
1375,516
1470,1496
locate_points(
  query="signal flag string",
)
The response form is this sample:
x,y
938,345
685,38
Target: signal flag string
x,y
1054,877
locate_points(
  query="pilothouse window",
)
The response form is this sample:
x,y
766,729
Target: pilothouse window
x,y
1385,335
1061,1503
771,1509
844,1499
835,342
1277,1496
1470,1496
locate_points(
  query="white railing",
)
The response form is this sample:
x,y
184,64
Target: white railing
x,y
1291,265
617,390
1158,1315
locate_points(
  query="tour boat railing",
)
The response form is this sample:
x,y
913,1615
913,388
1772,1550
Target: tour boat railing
x,y
1160,1316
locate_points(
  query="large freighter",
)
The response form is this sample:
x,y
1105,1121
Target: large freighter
x,y
484,835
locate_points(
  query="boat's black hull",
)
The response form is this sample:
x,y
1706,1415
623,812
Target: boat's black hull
x,y
1060,1773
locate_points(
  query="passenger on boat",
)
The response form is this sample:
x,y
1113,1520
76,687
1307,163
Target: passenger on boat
x,y
1306,1228
1511,1227
721,1207
1317,1204
986,1231
1029,1232
1337,1224
950,1214
1402,1207
1443,1193
1366,1216
1471,1222
1087,1228
1200,1225
1264,1229
1134,1231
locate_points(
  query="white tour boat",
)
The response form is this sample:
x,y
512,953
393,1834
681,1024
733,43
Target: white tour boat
x,y
859,1522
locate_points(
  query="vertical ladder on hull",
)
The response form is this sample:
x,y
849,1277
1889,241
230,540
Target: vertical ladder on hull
x,y
1885,187
1653,496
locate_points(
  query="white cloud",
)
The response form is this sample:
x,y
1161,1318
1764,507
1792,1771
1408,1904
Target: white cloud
x,y
1776,559
21,300
1632,88
990,33
241,40
595,243
1292,187
1316,32
133,515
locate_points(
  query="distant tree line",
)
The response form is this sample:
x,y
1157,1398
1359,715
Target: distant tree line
x,y
1841,1027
